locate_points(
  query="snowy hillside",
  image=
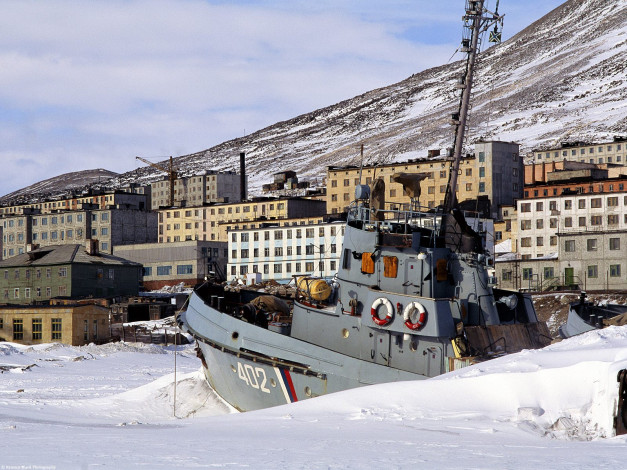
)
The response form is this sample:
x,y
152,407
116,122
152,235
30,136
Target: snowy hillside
x,y
112,406
562,78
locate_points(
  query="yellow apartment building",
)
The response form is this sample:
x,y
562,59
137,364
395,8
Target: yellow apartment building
x,y
495,171
211,223
68,324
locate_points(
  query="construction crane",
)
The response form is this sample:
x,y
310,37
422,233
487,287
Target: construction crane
x,y
172,175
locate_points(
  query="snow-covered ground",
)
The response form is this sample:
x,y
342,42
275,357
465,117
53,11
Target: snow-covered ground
x,y
111,406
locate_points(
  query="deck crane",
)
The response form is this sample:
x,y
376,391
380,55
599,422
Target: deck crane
x,y
172,174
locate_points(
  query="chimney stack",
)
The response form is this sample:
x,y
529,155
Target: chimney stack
x,y
91,246
242,176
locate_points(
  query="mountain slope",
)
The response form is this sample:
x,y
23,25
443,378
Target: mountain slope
x,y
62,184
562,78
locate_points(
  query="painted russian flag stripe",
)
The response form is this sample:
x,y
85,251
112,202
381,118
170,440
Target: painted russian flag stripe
x,y
287,386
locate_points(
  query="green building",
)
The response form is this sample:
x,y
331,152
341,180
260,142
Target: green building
x,y
67,271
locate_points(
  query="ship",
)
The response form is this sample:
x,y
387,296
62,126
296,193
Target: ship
x,y
584,316
412,298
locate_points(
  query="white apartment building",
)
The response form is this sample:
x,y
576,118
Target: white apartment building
x,y
543,220
582,233
280,252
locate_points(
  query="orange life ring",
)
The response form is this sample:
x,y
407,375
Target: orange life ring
x,y
389,315
420,320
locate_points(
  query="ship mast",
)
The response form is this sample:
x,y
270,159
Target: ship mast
x,y
476,20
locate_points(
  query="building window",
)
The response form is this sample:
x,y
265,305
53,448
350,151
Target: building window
x,y
18,329
309,267
549,273
582,203
482,156
525,225
164,270
147,271
596,202
57,328
596,220
16,293
593,271
539,241
569,245
184,269
278,251
568,204
527,273
612,201
614,243
525,242
591,244
525,207
582,221
614,270
37,328
482,187
63,272
568,222
277,268
539,223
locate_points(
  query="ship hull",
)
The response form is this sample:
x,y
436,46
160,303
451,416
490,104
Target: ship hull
x,y
253,368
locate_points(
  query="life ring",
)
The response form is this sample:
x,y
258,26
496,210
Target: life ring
x,y
409,311
390,311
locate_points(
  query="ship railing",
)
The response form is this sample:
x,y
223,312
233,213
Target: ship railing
x,y
397,215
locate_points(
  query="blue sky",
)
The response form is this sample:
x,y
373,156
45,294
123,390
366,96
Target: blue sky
x,y
89,84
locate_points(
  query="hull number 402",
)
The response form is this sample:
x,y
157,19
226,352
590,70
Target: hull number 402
x,y
254,377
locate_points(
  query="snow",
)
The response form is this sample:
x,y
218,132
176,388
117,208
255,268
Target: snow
x,y
112,406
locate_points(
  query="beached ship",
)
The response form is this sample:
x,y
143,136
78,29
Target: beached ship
x,y
412,299
584,316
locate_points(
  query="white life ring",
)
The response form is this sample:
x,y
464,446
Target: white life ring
x,y
421,317
389,315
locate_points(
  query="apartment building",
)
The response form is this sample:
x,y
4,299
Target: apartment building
x,y
72,270
210,186
210,223
494,172
75,325
280,252
135,197
170,264
111,227
614,152
573,239
506,226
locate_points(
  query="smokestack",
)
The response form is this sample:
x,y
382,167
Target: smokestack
x,y
242,176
